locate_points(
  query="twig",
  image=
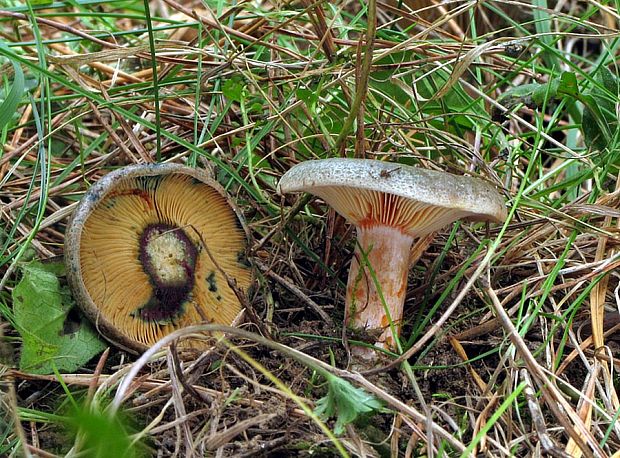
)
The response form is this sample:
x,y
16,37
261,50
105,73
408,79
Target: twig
x,y
177,401
538,418
59,26
98,369
221,438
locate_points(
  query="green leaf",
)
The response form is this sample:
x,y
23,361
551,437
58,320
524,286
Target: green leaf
x,y
233,89
104,435
532,95
518,93
256,107
607,80
545,93
345,401
599,120
535,95
53,334
594,124
10,103
310,97
568,84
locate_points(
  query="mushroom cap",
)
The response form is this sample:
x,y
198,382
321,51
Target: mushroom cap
x,y
369,192
139,250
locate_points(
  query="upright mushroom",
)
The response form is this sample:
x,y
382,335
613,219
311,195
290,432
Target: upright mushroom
x,y
148,250
390,205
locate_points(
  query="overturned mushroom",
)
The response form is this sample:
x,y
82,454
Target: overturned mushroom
x,y
391,205
149,249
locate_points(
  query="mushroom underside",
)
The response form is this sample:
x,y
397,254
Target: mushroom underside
x,y
153,254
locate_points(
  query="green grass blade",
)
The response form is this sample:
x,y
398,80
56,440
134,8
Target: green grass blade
x,y
14,96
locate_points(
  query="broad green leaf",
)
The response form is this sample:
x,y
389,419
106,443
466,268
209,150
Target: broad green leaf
x,y
518,93
594,124
256,107
52,333
599,119
536,95
345,402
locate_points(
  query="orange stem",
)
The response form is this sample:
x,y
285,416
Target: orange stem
x,y
386,250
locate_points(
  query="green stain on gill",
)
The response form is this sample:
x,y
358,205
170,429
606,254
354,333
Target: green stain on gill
x,y
242,259
211,281
219,298
149,182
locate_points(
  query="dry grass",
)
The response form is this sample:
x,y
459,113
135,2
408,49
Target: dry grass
x,y
512,342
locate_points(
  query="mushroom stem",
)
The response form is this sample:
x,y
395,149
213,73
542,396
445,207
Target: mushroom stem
x,y
386,250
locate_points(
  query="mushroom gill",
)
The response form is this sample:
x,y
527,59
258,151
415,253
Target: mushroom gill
x,y
152,251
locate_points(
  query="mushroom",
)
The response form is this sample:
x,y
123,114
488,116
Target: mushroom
x,y
150,249
390,205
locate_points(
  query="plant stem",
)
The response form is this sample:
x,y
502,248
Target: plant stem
x,y
362,87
